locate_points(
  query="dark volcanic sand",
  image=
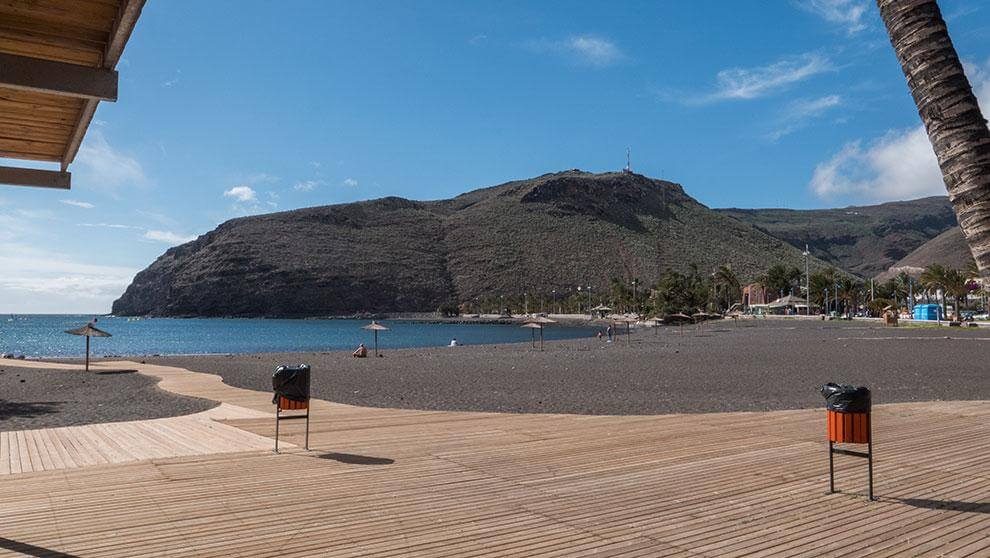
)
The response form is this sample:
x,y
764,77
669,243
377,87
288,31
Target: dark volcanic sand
x,y
761,365
47,398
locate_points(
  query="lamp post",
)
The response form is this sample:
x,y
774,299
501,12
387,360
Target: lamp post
x,y
526,303
635,298
554,304
579,299
807,282
826,302
911,295
835,297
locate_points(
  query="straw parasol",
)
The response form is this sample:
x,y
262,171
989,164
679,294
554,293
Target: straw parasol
x,y
541,321
679,319
601,309
535,326
628,321
376,327
87,331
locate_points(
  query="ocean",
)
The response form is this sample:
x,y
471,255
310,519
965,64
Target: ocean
x,y
43,335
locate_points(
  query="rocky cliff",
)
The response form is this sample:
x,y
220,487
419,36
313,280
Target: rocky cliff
x,y
555,231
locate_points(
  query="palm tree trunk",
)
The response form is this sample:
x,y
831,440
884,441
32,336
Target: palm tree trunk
x,y
950,112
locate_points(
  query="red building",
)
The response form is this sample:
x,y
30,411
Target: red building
x,y
754,293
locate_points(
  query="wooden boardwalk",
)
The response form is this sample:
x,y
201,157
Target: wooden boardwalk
x,y
382,482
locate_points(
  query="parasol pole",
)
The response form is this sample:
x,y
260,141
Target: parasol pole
x,y
87,353
376,343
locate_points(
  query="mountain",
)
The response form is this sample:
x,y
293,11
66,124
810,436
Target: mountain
x,y
555,231
948,249
864,240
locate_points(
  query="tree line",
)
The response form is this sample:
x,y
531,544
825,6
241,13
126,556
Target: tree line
x,y
692,291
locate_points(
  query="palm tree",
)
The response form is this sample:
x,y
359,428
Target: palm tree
x,y
957,286
727,286
935,278
950,112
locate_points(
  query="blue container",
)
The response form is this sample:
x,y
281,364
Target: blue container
x,y
927,312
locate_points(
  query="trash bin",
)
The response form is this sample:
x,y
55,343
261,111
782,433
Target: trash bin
x,y
848,420
848,409
291,387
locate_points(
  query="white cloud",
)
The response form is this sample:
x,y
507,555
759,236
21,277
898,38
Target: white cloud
x,y
101,167
478,39
108,226
77,203
589,50
307,185
242,194
50,282
900,165
845,13
172,81
168,237
751,83
350,183
797,114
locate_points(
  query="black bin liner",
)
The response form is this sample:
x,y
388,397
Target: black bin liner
x,y
291,382
844,398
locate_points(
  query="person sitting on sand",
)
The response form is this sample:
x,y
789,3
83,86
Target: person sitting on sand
x,y
454,343
361,351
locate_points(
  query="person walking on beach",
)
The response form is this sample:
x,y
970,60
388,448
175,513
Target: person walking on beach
x,y
608,332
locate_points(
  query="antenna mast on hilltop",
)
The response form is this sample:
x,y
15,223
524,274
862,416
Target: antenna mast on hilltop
x,y
628,169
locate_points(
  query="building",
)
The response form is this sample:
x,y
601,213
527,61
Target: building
x,y
754,294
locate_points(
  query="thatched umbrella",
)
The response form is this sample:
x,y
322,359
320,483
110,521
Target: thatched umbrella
x,y
376,327
541,321
628,321
88,331
535,326
679,319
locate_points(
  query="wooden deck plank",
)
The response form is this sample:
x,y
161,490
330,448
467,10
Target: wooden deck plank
x,y
389,483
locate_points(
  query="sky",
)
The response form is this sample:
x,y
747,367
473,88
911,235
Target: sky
x,y
232,108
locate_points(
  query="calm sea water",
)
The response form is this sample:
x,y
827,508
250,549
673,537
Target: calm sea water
x,y
42,335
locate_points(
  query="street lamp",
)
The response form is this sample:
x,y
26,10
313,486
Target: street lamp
x,y
826,302
807,282
835,296
554,304
635,283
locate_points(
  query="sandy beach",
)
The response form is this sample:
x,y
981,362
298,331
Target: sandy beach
x,y
721,366
38,398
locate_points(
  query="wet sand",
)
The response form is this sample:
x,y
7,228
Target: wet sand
x,y
37,398
721,366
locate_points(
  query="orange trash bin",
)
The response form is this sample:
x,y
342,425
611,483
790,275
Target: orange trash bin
x,y
848,420
848,428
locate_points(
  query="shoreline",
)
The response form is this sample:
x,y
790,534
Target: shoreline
x,y
756,366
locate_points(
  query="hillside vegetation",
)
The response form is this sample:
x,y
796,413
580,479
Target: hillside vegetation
x,y
864,240
552,232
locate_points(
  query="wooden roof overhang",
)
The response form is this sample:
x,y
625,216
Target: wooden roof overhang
x,y
57,62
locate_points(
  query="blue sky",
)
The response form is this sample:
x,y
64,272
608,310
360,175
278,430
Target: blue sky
x,y
236,108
